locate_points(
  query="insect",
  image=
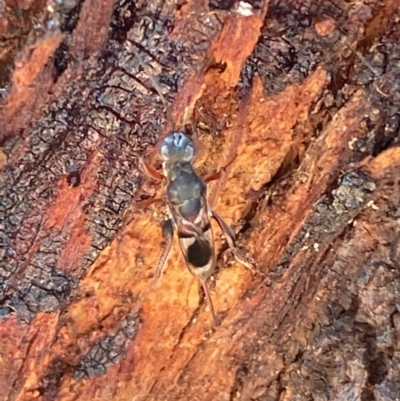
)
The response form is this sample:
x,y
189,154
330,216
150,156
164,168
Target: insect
x,y
74,178
190,212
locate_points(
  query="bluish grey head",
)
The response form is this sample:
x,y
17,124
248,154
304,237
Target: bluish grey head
x,y
177,147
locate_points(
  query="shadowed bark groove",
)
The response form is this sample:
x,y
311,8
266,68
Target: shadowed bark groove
x,y
303,96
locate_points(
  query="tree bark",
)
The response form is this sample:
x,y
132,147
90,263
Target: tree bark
x,y
304,98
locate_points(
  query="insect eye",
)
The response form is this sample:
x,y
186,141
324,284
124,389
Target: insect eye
x,y
164,151
189,152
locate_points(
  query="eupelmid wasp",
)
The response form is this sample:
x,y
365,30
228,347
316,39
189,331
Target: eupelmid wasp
x,y
188,209
190,212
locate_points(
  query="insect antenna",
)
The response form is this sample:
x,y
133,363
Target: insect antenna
x,y
195,136
157,87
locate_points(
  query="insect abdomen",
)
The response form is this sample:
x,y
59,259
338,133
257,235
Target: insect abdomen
x,y
199,253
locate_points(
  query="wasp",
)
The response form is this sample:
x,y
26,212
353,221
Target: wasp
x,y
189,212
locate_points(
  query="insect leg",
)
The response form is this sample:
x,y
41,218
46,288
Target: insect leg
x,y
147,168
168,233
229,235
209,302
218,174
150,170
147,202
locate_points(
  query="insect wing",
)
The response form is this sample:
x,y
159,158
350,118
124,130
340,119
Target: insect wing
x,y
196,241
199,253
197,247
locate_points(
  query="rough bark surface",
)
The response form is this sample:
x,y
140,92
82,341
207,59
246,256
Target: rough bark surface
x,y
305,94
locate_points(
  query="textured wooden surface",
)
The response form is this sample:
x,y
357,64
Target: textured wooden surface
x,y
306,97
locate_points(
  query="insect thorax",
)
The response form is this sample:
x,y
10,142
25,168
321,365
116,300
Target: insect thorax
x,y
185,188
